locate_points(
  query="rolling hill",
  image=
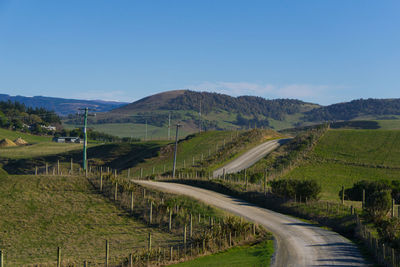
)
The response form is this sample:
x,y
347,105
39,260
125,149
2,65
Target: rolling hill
x,y
218,111
212,111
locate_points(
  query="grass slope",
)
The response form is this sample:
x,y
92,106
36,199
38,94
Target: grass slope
x,y
37,146
134,130
194,146
4,133
243,256
343,157
40,213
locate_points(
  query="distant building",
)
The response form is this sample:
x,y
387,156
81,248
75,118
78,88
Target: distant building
x,y
49,128
67,140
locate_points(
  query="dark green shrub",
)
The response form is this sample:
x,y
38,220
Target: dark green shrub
x,y
289,188
355,193
378,204
389,231
309,189
256,177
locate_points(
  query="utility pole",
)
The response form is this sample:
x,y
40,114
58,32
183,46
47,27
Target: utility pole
x,y
200,118
85,117
145,138
176,149
85,139
169,126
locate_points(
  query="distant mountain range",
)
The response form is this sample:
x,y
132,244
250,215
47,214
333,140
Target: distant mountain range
x,y
63,106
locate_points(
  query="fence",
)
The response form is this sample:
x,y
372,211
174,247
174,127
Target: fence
x,y
197,233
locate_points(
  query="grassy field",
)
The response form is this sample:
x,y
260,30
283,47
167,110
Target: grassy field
x,y
389,124
196,146
40,213
134,130
343,157
36,150
37,146
242,256
187,149
12,135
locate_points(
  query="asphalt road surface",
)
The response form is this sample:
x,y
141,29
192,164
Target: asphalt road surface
x,y
250,157
298,243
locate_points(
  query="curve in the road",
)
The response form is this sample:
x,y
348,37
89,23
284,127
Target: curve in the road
x,y
298,243
250,157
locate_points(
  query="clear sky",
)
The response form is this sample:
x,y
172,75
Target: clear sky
x,y
322,51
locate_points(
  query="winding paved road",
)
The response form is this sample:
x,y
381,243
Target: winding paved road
x,y
250,157
298,243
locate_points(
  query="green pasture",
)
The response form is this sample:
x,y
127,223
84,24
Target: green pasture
x,y
41,213
242,256
343,157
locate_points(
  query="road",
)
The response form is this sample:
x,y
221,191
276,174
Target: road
x,y
298,243
250,157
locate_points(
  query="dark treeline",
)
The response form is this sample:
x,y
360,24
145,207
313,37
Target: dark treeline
x,y
354,109
246,105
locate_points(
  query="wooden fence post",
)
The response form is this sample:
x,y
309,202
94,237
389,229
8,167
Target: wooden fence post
x,y
171,253
184,235
230,239
363,198
36,170
1,259
130,260
132,201
342,195
393,205
47,169
191,226
107,252
149,243
141,172
170,220
101,179
245,177
58,257
116,191
151,213
72,167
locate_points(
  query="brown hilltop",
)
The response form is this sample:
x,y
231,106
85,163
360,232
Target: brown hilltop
x,y
149,103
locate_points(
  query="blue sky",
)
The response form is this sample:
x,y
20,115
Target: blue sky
x,y
322,51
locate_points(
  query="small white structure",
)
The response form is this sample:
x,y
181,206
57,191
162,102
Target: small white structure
x,y
67,139
49,128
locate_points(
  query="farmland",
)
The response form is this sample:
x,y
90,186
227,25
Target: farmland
x,y
243,256
40,213
343,157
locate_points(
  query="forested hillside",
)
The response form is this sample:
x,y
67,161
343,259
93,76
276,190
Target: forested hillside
x,y
354,109
16,116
